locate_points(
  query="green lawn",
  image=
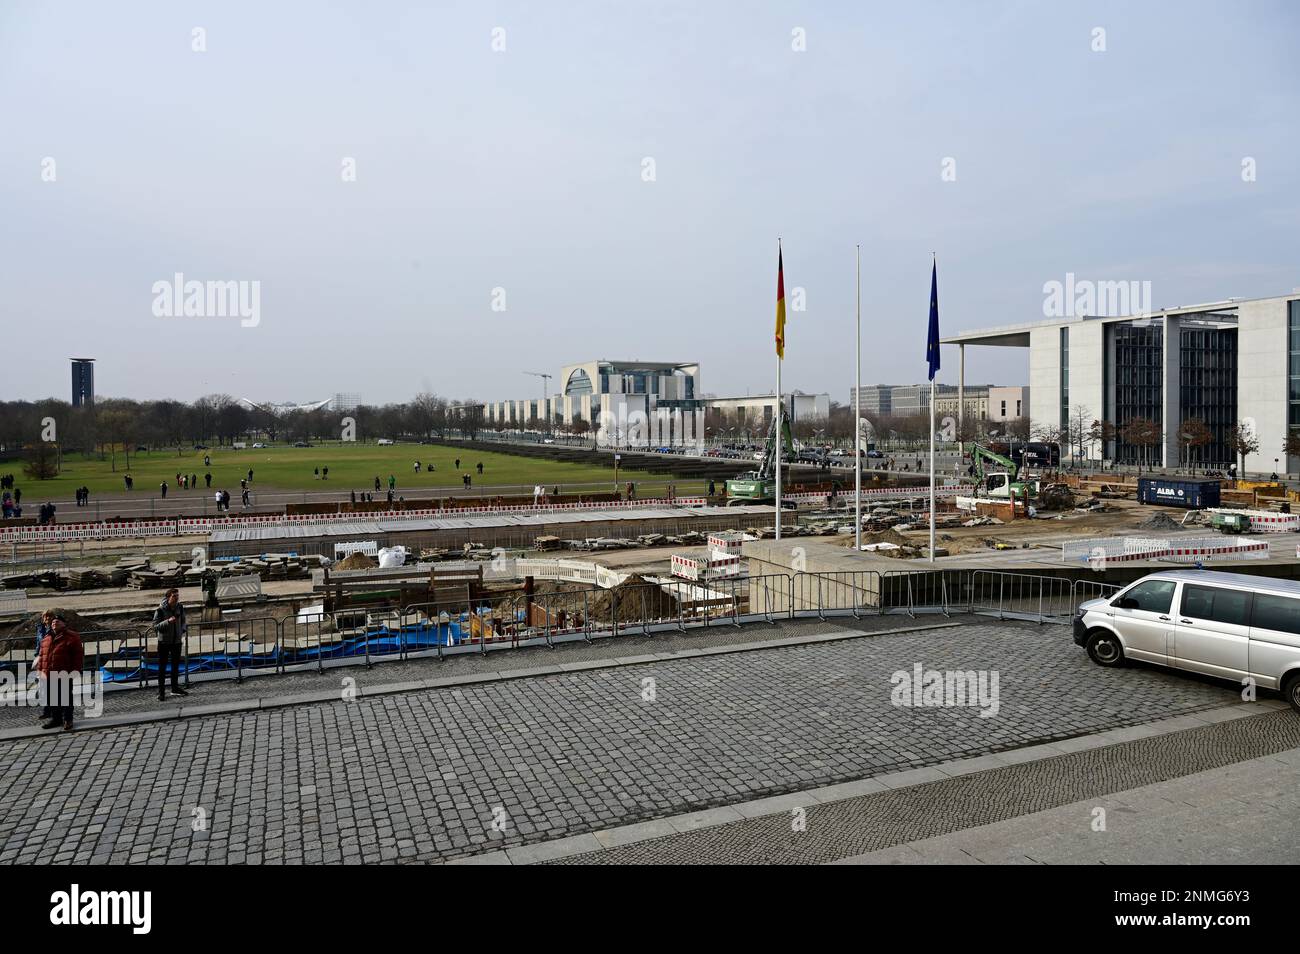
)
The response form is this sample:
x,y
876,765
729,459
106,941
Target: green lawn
x,y
351,466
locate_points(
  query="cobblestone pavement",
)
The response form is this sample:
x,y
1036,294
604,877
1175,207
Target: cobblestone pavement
x,y
1018,804
387,672
424,775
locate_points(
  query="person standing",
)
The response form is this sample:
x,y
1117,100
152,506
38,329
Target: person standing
x,y
163,488
480,468
392,482
43,687
354,497
60,663
244,497
458,463
169,623
207,480
250,475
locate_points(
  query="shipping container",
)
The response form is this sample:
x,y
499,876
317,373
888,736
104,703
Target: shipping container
x,y
1195,493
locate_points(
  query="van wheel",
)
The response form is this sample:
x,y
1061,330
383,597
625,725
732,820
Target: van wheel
x,y
1291,690
1105,649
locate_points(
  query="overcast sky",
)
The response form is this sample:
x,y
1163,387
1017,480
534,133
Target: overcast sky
x,y
524,169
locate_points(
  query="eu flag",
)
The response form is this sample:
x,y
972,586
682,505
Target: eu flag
x,y
932,342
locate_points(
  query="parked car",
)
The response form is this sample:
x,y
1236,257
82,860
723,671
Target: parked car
x,y
301,444
874,454
258,445
382,442
1227,625
200,446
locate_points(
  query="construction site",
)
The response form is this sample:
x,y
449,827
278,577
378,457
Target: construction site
x,y
339,583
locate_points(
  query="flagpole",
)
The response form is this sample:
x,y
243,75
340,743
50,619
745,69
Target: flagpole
x,y
780,431
857,404
932,470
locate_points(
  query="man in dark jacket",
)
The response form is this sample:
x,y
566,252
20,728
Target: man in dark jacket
x,y
169,623
59,664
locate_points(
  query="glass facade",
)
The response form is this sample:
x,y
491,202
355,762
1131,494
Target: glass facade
x,y
1207,387
1293,366
1138,376
1065,381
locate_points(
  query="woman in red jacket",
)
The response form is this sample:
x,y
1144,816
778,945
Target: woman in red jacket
x,y
59,664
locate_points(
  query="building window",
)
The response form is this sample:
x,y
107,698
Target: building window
x,y
578,383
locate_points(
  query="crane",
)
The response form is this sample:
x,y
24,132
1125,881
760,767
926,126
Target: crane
x,y
546,414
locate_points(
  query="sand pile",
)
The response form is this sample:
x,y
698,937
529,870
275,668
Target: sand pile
x,y
633,599
356,561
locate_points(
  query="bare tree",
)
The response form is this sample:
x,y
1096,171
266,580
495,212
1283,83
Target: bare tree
x,y
1193,434
1242,441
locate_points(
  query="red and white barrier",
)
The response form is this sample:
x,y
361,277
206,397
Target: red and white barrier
x,y
204,525
1266,521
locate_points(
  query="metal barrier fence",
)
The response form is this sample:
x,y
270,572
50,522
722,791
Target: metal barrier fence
x,y
456,623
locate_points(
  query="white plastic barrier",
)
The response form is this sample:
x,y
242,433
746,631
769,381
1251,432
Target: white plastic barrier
x,y
13,601
705,568
343,550
1105,551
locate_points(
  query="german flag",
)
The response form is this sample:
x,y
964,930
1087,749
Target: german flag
x,y
780,305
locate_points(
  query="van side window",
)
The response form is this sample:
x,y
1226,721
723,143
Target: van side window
x,y
1277,613
1154,596
1216,605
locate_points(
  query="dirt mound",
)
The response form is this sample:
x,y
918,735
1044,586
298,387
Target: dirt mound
x,y
356,561
888,536
25,628
633,600
1159,521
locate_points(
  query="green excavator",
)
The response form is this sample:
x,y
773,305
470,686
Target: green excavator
x,y
996,476
759,486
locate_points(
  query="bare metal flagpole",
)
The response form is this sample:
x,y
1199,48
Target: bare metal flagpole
x,y
857,406
780,434
932,470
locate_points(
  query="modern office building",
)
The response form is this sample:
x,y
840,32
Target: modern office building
x,y
977,401
635,403
1226,363
754,412
876,399
83,382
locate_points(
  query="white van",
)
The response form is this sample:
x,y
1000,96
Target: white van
x,y
384,441
1229,625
